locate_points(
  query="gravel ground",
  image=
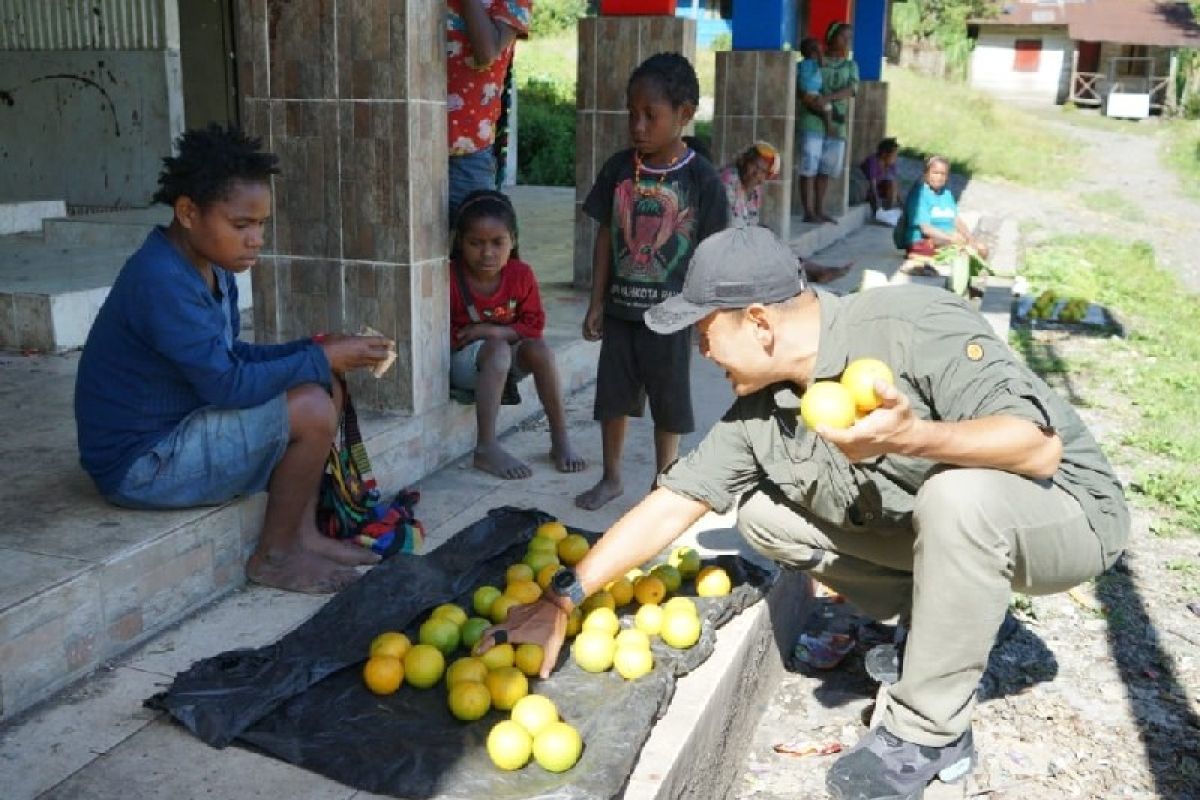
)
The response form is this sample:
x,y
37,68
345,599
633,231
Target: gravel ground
x,y
1098,693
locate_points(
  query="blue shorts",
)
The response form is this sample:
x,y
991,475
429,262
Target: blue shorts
x,y
464,364
470,172
820,154
212,456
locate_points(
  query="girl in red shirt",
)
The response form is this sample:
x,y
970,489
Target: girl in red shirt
x,y
496,323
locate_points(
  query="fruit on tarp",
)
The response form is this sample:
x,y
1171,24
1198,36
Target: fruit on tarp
x,y
499,610
518,572
603,620
572,549
472,630
827,403
501,655
423,665
594,651
558,747
467,668
680,629
649,590
469,700
552,530
648,619
534,712
686,560
390,643
483,598
441,633
859,379
528,658
671,577
509,745
713,582
681,604
601,599
621,590
632,662
524,591
507,685
383,674
633,637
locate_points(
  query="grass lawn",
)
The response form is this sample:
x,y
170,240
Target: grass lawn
x,y
980,136
1181,151
1152,369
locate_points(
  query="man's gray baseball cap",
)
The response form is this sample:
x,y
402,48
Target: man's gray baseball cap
x,y
731,269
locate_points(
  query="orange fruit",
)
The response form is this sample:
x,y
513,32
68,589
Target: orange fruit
x,y
859,379
528,658
649,590
483,598
632,663
423,665
621,590
502,655
538,561
451,612
546,574
574,622
441,633
572,549
518,572
524,591
670,576
713,582
603,620
686,560
648,619
827,403
507,685
504,602
473,630
594,651
391,643
469,700
600,599
534,712
467,668
557,747
509,745
383,674
542,544
680,629
552,530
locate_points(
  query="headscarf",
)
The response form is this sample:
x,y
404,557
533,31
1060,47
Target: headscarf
x,y
833,30
767,152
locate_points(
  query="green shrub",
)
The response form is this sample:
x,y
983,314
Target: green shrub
x,y
546,134
553,16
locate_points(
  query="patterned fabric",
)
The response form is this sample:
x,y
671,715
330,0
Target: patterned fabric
x,y
473,94
743,206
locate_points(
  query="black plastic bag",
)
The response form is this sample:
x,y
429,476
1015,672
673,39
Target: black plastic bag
x,y
302,699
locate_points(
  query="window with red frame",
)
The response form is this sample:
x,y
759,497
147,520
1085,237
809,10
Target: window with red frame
x,y
1027,55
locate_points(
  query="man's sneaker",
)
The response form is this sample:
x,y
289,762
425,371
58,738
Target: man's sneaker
x,y
883,766
883,662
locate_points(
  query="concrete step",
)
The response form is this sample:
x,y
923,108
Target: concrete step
x,y
26,216
125,229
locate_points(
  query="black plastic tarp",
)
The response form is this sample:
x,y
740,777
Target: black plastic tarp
x,y
302,699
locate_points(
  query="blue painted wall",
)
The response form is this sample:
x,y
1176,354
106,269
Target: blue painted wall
x,y
869,27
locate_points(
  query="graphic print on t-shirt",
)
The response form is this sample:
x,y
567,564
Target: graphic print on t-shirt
x,y
656,225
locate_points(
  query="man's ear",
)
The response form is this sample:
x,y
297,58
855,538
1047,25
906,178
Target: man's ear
x,y
186,211
757,314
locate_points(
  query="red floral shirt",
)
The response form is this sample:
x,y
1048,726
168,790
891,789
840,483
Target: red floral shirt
x,y
473,93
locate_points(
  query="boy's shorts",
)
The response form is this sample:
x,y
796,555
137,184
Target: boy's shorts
x,y
636,363
820,154
464,364
212,456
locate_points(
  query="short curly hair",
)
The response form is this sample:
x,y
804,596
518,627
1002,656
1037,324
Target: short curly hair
x,y
672,75
210,161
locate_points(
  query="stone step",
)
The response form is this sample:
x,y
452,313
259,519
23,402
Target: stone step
x,y
26,216
125,229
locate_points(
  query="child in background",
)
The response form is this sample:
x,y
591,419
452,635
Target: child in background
x,y
496,323
743,180
655,202
173,411
883,183
810,84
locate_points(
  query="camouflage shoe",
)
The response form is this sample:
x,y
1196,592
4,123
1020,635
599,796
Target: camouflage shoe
x,y
883,766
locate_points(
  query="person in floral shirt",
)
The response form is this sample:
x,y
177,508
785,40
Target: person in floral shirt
x,y
480,38
743,180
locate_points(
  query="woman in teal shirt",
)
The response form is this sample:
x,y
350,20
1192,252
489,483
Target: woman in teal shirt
x,y
931,218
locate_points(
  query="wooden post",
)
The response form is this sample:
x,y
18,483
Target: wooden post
x,y
1074,70
1171,100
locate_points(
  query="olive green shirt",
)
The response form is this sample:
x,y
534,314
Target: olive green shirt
x,y
949,363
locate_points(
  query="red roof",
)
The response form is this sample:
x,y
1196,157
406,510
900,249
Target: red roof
x,y
1164,23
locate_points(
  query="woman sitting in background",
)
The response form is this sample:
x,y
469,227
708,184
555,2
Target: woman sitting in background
x,y
931,219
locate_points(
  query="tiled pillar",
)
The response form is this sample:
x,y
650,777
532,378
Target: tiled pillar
x,y
351,95
756,100
610,48
868,125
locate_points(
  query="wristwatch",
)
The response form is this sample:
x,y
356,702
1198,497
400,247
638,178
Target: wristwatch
x,y
565,583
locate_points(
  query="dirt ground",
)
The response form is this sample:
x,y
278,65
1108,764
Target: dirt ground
x,y
1098,693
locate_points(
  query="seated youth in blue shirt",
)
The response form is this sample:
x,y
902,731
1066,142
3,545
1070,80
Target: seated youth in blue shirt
x,y
931,219
174,411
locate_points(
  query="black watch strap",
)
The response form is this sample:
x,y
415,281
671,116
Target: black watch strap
x,y
565,583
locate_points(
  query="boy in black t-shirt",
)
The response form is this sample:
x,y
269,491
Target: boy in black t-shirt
x,y
655,202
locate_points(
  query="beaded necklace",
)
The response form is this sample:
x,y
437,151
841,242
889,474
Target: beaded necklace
x,y
663,172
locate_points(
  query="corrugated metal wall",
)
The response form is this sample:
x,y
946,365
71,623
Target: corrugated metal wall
x,y
82,25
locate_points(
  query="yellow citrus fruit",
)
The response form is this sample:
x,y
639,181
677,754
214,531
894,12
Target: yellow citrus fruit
x,y
524,591
632,637
621,590
634,574
602,620
593,651
552,530
507,685
600,599
467,668
518,572
572,548
534,712
441,633
686,560
483,598
542,544
469,700
632,663
545,574
451,612
557,747
670,576
859,379
472,630
680,629
648,619
713,582
827,403
509,745
680,604
391,644
423,665
649,590
574,622
538,561
500,608
528,659
502,655
383,674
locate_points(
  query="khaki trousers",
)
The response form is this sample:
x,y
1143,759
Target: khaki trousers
x,y
977,534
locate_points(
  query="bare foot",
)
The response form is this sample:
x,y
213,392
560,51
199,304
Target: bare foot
x,y
565,460
827,218
823,274
599,494
338,551
499,462
811,218
299,571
